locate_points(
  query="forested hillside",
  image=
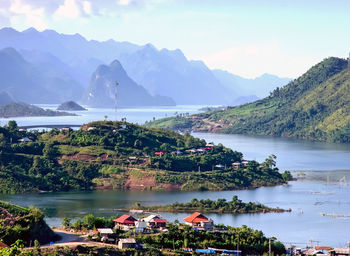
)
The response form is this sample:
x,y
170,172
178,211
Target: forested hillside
x,y
315,106
110,155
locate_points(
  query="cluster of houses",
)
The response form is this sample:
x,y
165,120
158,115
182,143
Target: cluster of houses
x,y
143,225
127,222
203,150
199,151
319,251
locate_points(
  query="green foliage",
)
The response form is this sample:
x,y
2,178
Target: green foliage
x,y
220,206
113,152
91,222
315,106
26,224
251,242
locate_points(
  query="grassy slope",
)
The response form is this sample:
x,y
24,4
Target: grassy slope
x,y
314,106
25,224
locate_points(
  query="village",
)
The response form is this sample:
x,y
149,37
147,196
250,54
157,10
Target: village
x,y
154,223
127,228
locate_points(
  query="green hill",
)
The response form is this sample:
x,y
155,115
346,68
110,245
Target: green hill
x,y
315,106
110,155
25,224
20,109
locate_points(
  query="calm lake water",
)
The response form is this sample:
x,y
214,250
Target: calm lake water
x,y
319,191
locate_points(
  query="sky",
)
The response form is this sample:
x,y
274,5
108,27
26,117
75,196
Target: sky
x,y
245,37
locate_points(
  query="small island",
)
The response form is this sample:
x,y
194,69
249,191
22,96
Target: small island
x,y
20,109
70,106
221,205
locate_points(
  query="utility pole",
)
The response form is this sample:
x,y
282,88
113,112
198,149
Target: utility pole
x,y
269,246
238,244
115,100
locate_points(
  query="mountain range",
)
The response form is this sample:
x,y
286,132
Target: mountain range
x,y
315,106
102,89
65,64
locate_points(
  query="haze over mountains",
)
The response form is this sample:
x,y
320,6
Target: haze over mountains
x,y
48,67
315,106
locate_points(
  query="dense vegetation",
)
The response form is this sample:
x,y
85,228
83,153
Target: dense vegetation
x,y
121,156
220,206
22,109
314,106
26,224
79,250
251,242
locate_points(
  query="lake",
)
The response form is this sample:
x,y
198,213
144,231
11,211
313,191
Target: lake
x,y
307,198
319,191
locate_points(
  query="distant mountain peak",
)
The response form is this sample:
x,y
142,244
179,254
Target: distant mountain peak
x,y
149,46
30,30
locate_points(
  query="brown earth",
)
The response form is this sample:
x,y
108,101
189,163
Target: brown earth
x,y
86,157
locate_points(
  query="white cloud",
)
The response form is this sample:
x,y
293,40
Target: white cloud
x,y
124,2
87,7
253,60
69,9
25,13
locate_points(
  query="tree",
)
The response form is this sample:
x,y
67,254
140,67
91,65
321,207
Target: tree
x,y
270,162
66,222
12,126
2,140
50,151
165,147
37,247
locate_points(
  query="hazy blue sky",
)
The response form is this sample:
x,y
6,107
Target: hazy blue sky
x,y
245,37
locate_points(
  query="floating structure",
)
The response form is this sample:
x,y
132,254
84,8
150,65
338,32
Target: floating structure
x,y
335,215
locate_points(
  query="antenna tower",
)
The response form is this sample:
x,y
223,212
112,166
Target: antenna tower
x,y
115,100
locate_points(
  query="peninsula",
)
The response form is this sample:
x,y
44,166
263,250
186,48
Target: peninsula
x,y
124,156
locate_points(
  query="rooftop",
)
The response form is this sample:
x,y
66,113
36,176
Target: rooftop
x,y
125,219
128,241
196,217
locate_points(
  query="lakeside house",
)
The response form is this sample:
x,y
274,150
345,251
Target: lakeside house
x,y
155,221
106,234
340,252
140,226
199,221
25,139
236,164
178,152
125,222
126,243
66,129
245,163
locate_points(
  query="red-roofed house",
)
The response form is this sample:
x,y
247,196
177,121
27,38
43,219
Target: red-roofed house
x,y
2,245
125,222
199,221
160,223
159,153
